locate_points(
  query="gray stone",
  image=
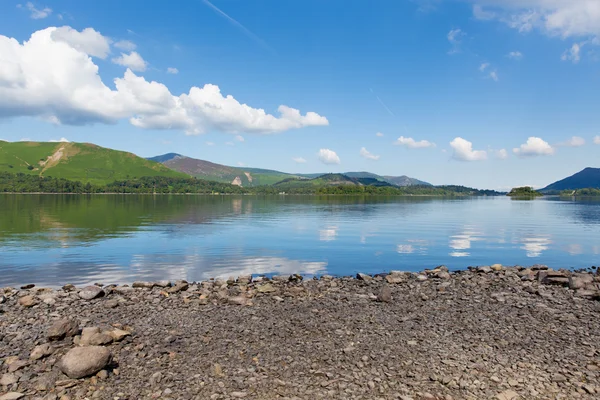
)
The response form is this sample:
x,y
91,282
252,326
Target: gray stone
x,y
147,285
111,303
91,292
364,277
266,288
93,337
41,351
179,287
84,361
8,379
507,395
238,300
162,284
12,396
63,328
385,294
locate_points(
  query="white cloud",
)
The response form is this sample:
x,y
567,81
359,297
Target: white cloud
x,y
575,141
172,70
484,66
210,143
125,45
52,76
573,54
494,76
515,55
368,155
379,134
597,139
239,138
412,143
61,140
241,164
328,157
299,160
455,37
563,18
36,13
534,147
481,14
229,144
88,41
25,139
501,154
133,61
463,151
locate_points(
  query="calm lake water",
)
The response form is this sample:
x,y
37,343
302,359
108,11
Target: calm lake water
x,y
51,240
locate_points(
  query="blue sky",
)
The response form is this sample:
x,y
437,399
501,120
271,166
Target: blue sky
x,y
484,93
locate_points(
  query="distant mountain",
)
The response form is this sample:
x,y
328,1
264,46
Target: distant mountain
x,y
405,181
84,162
587,178
164,157
207,170
392,180
248,177
328,180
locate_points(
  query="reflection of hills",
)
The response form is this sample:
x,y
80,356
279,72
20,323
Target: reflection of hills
x,y
86,218
582,210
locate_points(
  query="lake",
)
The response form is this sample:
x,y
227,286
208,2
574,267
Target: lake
x,y
51,240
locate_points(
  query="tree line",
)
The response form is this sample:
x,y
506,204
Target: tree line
x,y
24,183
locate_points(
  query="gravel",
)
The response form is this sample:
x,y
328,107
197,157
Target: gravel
x,y
485,333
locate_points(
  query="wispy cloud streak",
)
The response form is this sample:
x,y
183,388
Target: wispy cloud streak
x,y
383,104
245,30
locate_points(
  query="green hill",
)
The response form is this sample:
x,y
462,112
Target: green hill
x,y
82,162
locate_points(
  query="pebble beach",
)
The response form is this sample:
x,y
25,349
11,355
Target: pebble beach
x,y
492,332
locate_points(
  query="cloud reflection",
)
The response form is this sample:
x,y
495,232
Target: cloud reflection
x,y
462,242
328,234
534,246
412,246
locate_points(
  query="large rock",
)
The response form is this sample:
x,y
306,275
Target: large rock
x,y
94,337
27,301
385,294
91,292
364,277
146,285
12,396
41,351
266,288
84,361
62,328
8,379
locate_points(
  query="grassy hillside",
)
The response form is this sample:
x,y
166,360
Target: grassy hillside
x,y
77,161
246,177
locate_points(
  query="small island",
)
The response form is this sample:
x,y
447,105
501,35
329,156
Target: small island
x,y
525,191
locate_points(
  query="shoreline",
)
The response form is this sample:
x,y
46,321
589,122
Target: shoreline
x,y
489,332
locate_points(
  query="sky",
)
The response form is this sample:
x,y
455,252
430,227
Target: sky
x,y
483,93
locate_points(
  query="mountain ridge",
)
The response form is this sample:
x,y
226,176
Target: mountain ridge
x,y
586,178
245,176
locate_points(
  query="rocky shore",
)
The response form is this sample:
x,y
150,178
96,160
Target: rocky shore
x,y
491,332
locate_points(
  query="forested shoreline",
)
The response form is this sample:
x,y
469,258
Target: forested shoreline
x,y
24,183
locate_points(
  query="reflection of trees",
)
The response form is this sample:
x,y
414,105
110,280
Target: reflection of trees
x,y
583,210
